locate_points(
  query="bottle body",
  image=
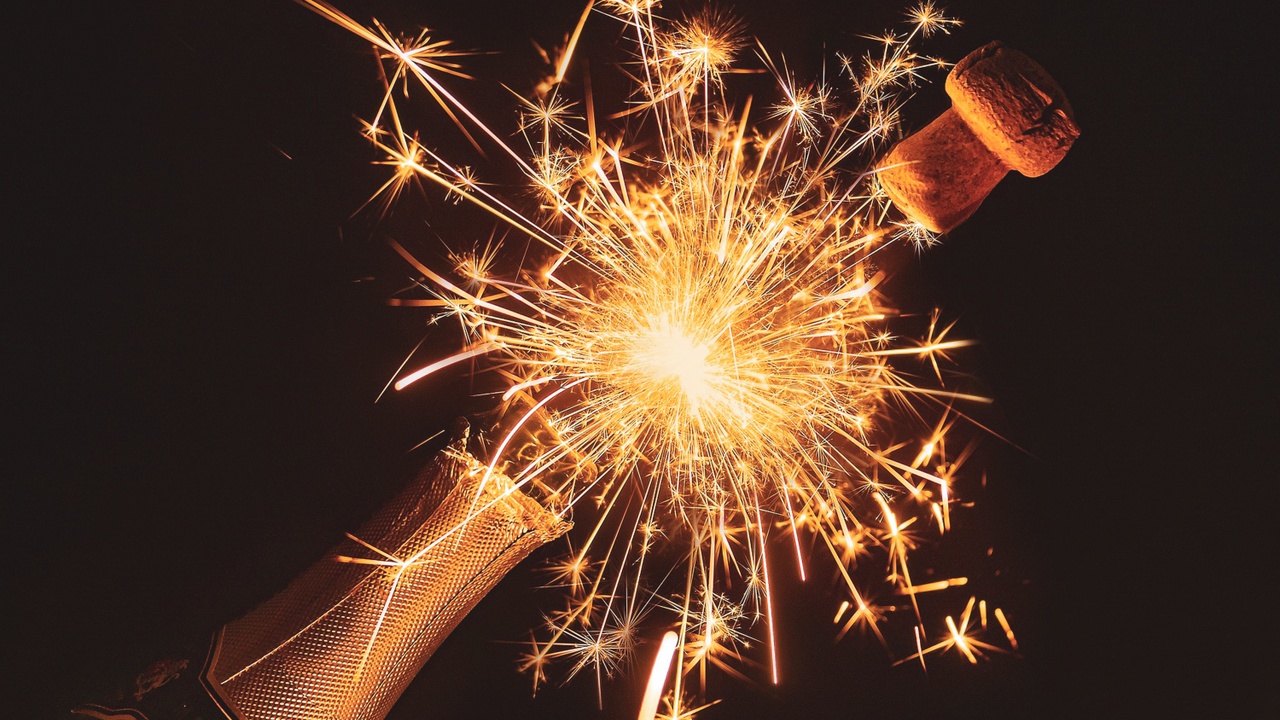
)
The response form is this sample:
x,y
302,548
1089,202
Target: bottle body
x,y
346,637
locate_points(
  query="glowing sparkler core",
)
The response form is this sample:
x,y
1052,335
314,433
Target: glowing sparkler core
x,y
664,352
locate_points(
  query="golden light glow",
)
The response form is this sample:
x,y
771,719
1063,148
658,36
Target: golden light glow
x,y
664,353
695,355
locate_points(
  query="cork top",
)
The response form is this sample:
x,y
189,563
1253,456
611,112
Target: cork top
x,y
1014,107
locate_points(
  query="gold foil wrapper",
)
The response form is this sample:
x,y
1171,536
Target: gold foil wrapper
x,y
345,639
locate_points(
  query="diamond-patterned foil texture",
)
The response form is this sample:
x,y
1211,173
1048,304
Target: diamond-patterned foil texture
x,y
345,639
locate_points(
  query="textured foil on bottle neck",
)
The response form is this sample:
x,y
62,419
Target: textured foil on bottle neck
x,y
345,639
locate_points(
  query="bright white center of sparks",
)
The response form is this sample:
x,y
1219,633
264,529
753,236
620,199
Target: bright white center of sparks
x,y
666,353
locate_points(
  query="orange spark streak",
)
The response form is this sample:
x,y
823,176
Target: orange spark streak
x,y
439,364
658,676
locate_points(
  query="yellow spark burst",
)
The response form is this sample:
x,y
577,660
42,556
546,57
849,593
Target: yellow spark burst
x,y
699,357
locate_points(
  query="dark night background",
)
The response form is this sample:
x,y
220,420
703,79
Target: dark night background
x,y
192,351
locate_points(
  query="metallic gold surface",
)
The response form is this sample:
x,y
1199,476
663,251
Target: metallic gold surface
x,y
346,637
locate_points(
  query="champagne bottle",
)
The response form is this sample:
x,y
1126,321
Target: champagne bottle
x,y
346,637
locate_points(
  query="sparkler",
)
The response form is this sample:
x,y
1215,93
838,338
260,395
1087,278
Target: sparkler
x,y
696,357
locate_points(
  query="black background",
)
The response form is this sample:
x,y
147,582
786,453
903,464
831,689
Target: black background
x,y
192,354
